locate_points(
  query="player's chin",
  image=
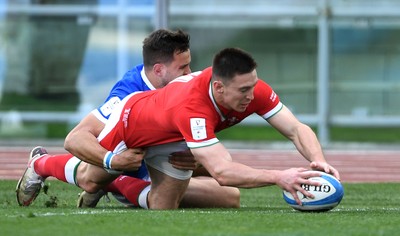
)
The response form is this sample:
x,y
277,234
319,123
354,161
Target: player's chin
x,y
242,108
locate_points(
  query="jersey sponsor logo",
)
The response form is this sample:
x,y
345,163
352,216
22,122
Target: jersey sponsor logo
x,y
198,127
109,106
125,117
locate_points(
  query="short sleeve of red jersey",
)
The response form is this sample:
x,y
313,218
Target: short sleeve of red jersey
x,y
266,101
196,127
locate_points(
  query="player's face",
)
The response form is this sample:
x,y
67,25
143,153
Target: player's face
x,y
238,94
178,67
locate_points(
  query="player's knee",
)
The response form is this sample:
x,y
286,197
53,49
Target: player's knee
x,y
92,188
233,198
89,187
157,202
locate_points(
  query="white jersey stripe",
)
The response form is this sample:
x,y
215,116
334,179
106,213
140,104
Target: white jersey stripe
x,y
272,112
203,143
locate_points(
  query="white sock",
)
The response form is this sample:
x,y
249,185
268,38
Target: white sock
x,y
142,199
70,170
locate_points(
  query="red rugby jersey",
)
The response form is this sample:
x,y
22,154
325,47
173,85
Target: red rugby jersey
x,y
185,110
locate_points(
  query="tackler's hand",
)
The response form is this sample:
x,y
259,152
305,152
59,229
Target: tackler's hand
x,y
128,160
183,160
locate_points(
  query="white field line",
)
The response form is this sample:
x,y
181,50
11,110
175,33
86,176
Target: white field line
x,y
92,212
112,211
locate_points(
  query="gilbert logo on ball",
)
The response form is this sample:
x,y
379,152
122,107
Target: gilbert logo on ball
x,y
327,196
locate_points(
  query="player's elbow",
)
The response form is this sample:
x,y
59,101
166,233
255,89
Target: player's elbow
x,y
223,181
69,143
221,177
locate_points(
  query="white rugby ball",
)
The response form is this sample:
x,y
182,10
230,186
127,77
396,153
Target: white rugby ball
x,y
327,196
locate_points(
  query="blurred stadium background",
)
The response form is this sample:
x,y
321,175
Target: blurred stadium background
x,y
335,63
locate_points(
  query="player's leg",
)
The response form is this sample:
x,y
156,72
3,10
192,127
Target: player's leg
x,y
92,178
128,190
64,167
168,184
40,166
205,192
55,165
166,192
201,192
95,183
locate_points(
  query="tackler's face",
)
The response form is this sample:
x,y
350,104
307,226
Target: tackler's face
x,y
239,92
178,67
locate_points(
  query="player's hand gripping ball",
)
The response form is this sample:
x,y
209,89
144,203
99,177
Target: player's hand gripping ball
x,y
327,196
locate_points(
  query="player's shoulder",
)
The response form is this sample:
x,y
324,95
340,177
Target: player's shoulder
x,y
133,81
263,86
134,73
186,78
262,82
264,92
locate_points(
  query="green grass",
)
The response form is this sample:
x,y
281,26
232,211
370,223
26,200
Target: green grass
x,y
366,209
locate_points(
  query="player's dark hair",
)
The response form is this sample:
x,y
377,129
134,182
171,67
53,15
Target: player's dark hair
x,y
231,62
161,45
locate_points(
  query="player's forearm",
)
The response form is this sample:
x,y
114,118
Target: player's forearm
x,y
242,176
308,145
218,162
86,147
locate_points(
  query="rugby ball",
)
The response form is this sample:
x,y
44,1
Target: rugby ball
x,y
327,196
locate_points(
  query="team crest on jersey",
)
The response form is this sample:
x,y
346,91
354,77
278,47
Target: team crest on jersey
x,y
198,127
232,120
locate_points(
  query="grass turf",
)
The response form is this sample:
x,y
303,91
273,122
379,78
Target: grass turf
x,y
366,209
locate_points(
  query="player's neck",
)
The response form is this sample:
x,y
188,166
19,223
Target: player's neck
x,y
219,101
154,80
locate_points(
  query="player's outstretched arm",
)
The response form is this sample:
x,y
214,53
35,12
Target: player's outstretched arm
x,y
217,160
304,138
82,142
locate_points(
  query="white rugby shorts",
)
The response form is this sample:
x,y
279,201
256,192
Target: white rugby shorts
x,y
157,157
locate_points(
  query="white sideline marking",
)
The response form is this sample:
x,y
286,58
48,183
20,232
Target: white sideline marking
x,y
104,211
367,209
92,212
